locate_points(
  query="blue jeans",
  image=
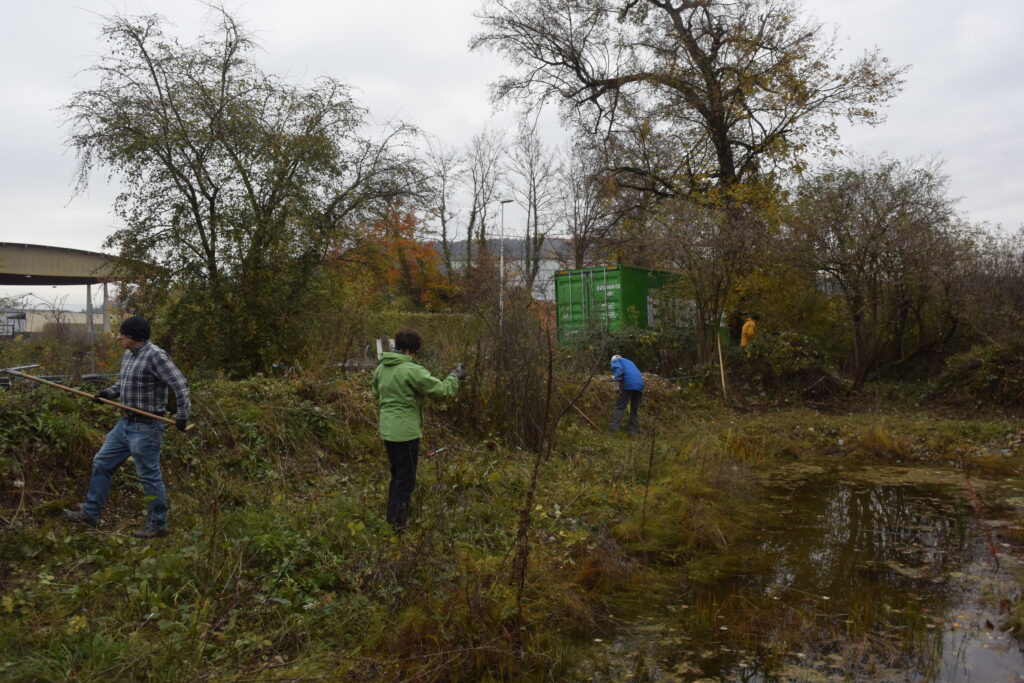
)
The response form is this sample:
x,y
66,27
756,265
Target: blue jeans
x,y
141,441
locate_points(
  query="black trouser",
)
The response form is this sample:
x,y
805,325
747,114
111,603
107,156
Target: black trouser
x,y
403,456
626,397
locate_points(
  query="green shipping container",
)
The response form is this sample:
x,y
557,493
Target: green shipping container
x,y
605,298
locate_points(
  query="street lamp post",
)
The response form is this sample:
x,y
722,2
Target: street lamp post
x,y
501,268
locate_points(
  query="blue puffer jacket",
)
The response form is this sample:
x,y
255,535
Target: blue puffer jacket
x,y
626,372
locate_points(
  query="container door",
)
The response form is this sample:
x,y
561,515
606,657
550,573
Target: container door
x,y
607,288
570,304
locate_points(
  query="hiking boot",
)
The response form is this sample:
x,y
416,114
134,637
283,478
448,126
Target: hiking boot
x,y
80,516
149,532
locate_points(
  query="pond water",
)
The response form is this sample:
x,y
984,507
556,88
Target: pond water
x,y
881,574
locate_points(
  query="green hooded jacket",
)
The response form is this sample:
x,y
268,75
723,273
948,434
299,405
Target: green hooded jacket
x,y
400,385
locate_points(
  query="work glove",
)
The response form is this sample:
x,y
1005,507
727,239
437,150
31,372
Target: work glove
x,y
181,423
458,371
106,393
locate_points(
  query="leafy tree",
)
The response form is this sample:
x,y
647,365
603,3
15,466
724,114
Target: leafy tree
x,y
236,182
405,264
697,101
789,297
722,89
887,241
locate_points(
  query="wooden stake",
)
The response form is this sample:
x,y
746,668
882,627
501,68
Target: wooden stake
x,y
721,365
585,416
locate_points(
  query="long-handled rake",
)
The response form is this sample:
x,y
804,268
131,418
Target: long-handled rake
x,y
16,371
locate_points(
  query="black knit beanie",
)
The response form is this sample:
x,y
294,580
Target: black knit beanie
x,y
135,328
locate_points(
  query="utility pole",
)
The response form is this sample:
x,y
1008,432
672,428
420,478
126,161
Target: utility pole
x,y
501,269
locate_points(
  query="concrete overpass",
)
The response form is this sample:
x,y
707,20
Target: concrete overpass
x,y
37,264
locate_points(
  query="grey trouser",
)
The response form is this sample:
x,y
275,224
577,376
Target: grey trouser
x,y
626,397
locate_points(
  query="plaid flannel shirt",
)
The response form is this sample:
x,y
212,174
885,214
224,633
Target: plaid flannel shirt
x,y
146,372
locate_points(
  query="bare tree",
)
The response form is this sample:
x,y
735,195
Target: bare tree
x,y
59,321
446,168
589,212
483,178
709,248
993,286
533,170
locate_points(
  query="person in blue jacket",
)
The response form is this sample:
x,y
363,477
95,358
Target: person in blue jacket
x,y
631,389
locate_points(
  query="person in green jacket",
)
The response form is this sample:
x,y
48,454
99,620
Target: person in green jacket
x,y
400,385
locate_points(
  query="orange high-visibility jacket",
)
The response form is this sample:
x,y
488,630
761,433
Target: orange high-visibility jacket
x,y
749,331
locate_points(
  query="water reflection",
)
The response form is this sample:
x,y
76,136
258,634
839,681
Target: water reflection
x,y
889,539
843,580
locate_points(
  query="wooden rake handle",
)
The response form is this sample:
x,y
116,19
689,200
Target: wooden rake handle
x,y
72,390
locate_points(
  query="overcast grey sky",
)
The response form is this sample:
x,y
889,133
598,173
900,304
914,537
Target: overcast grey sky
x,y
408,59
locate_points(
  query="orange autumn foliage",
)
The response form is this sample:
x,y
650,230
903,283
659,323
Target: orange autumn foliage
x,y
401,263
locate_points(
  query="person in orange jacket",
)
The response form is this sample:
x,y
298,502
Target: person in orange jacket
x,y
749,329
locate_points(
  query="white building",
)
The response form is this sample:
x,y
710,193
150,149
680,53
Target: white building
x,y
14,322
552,259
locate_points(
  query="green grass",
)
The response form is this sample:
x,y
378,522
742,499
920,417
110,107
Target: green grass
x,y
280,563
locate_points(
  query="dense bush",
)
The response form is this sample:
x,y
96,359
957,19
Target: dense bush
x,y
990,376
60,354
786,365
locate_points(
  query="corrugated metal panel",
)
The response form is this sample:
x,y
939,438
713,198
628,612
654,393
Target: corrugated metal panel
x,y
605,298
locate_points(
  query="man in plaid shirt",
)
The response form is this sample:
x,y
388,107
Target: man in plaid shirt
x,y
146,373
